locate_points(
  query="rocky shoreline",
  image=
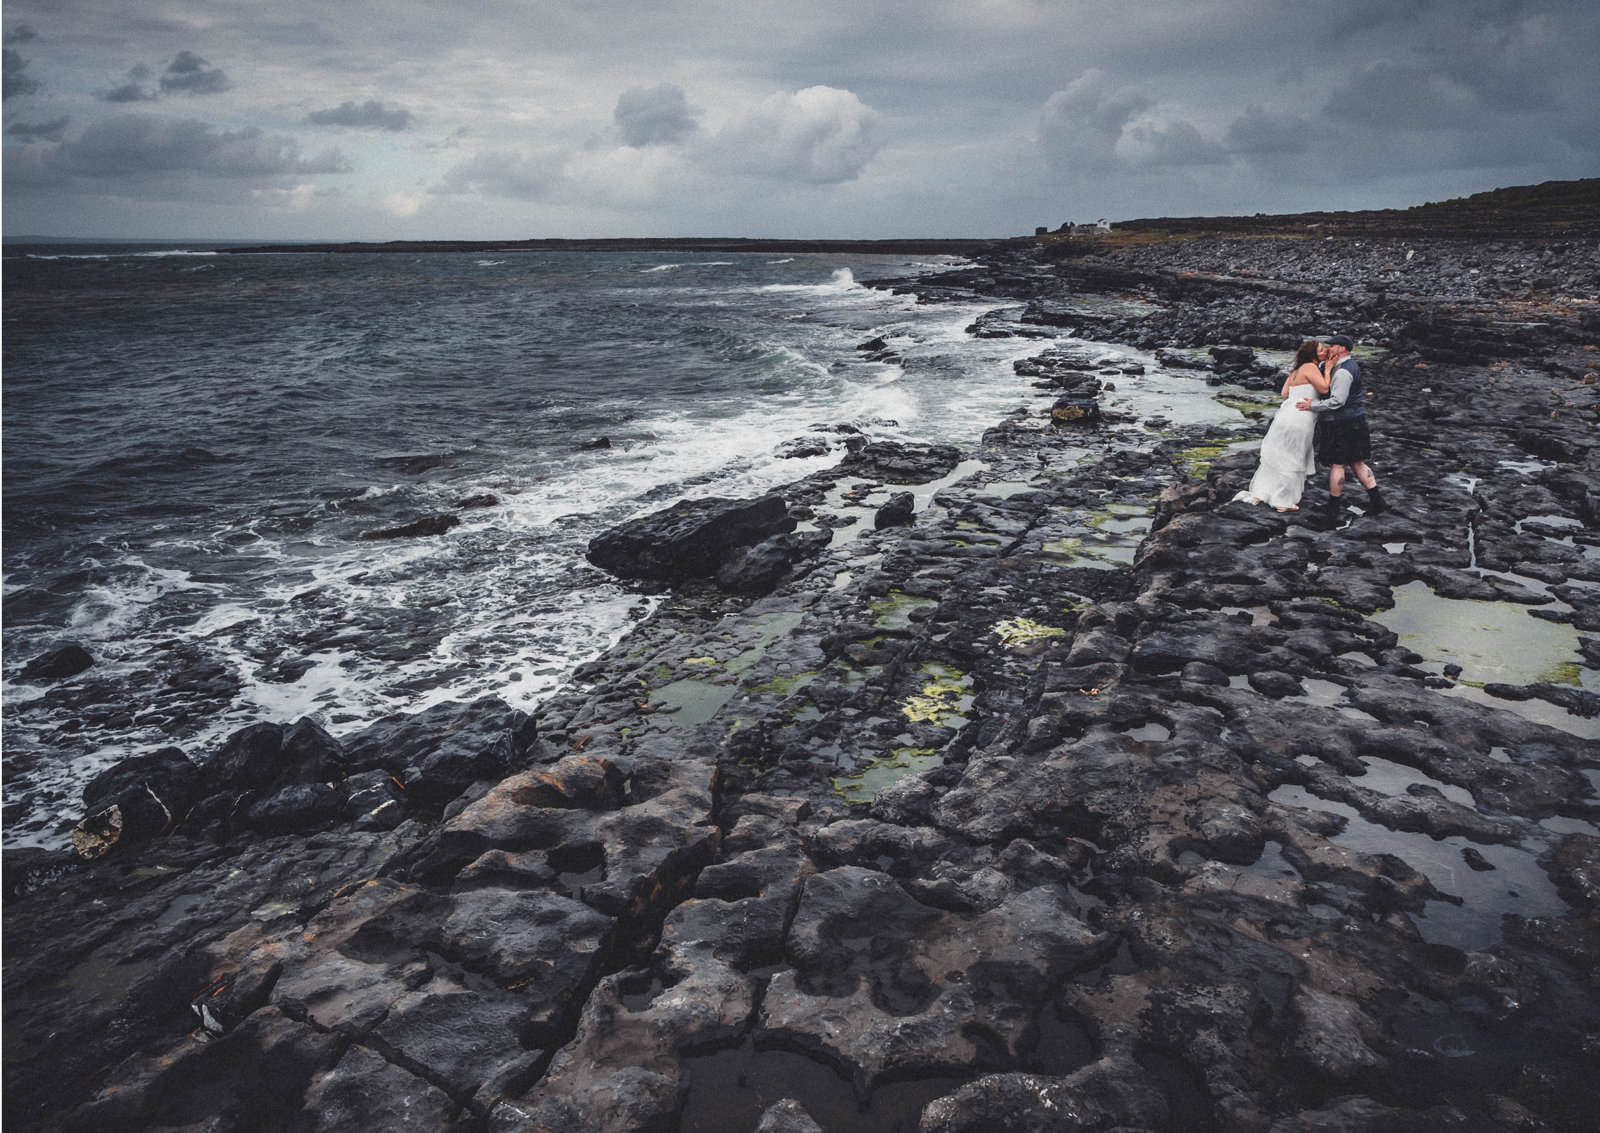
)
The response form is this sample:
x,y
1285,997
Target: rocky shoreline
x,y
1039,787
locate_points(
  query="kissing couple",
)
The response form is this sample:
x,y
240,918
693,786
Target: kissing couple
x,y
1322,419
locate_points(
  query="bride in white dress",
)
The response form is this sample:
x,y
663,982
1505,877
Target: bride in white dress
x,y
1286,458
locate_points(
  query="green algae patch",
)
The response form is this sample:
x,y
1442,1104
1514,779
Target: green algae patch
x,y
864,785
1196,461
1566,673
1022,631
786,685
895,611
701,661
1109,550
1248,405
942,699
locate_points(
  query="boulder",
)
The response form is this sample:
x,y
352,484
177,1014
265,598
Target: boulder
x,y
437,753
756,570
427,525
897,512
690,539
58,664
891,462
136,799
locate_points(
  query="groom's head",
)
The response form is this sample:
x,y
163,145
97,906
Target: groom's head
x,y
1343,342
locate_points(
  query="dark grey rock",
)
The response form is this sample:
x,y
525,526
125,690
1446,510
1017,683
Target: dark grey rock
x,y
690,539
417,528
899,511
58,664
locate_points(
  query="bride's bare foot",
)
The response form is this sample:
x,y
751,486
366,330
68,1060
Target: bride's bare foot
x,y
1295,507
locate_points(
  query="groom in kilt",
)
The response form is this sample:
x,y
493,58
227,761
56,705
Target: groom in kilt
x,y
1342,439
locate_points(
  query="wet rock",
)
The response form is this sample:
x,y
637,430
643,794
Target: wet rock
x,y
58,664
872,987
418,528
272,755
137,799
437,753
1330,1037
690,539
1114,1093
299,806
802,447
891,462
467,1040
363,1091
756,570
787,1116
899,511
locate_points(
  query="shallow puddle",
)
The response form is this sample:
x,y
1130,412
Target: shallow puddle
x,y
1494,643
1005,489
1388,778
864,785
730,1089
769,627
895,611
1491,641
1515,885
693,702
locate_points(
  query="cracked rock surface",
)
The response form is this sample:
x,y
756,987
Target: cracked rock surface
x,y
1081,798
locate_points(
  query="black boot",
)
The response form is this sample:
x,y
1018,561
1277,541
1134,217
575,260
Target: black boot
x,y
1331,514
1375,504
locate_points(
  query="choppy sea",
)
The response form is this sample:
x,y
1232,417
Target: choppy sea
x,y
195,443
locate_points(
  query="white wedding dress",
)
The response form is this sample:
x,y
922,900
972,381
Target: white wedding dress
x,y
1286,458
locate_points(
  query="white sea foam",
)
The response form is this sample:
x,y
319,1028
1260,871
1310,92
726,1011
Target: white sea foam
x,y
348,631
843,280
131,254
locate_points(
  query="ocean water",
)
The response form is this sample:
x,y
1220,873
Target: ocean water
x,y
196,442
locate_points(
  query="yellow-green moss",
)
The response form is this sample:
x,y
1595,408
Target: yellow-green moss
x,y
1021,631
787,685
939,702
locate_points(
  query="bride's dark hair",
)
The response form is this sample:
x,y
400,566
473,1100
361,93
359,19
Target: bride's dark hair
x,y
1306,353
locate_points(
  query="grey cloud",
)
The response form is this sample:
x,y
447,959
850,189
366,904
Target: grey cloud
x,y
1260,133
137,145
133,90
1175,143
657,115
368,115
516,176
190,74
1389,95
820,136
38,132
1080,125
128,92
14,82
22,33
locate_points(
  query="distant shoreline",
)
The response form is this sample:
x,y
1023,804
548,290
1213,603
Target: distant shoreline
x,y
936,246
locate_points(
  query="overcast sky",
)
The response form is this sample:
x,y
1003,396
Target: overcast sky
x,y
502,119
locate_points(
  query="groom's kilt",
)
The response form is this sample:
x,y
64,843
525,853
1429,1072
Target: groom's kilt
x,y
1342,440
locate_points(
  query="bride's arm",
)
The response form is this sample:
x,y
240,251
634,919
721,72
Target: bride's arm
x,y
1321,379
